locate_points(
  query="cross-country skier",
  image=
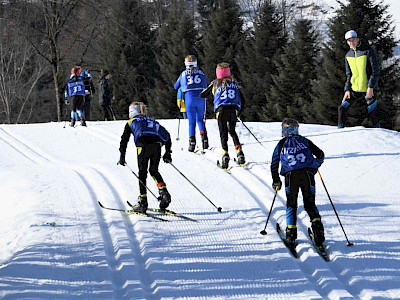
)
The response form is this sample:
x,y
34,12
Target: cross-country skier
x,y
228,104
298,166
76,92
192,81
149,136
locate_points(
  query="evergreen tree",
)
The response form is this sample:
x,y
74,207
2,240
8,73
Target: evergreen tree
x,y
259,62
223,36
291,92
126,48
370,21
176,40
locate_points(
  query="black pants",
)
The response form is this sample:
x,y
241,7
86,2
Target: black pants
x,y
294,181
86,107
227,119
372,109
77,103
148,153
108,113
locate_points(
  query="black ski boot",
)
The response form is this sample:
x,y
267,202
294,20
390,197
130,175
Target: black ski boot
x,y
83,122
192,143
291,235
165,198
225,160
142,204
204,139
240,155
72,124
318,231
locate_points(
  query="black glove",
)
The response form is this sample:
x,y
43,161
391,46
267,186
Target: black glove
x,y
167,157
277,185
121,161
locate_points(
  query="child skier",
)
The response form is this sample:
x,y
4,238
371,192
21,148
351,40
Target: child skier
x,y
76,91
149,136
192,81
296,153
228,103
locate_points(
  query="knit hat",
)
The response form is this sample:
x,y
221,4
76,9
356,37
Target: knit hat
x,y
223,70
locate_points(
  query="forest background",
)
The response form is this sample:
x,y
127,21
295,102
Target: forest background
x,y
288,55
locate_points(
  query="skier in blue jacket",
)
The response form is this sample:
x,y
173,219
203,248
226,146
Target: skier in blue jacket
x,y
228,104
298,166
76,92
192,81
149,136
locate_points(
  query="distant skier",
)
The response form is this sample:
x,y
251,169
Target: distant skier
x,y
296,153
362,73
192,81
76,92
228,104
149,136
89,91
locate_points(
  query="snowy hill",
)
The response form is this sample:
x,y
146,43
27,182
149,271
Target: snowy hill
x,y
56,242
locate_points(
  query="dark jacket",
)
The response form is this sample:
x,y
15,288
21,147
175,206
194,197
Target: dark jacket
x,y
105,91
359,78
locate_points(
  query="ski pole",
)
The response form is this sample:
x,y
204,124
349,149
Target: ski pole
x,y
334,209
218,208
263,232
179,125
141,182
252,134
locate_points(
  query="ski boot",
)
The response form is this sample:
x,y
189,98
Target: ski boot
x,y
204,139
72,124
318,231
291,235
165,198
83,122
240,155
192,143
225,160
142,204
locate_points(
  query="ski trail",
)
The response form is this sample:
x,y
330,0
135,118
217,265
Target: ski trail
x,y
121,285
332,287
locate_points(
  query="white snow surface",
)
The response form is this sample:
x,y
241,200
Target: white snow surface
x,y
56,242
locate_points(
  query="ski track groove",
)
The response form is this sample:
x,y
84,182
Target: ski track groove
x,y
119,284
311,266
324,276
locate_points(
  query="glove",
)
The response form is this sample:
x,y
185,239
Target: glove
x,y
66,100
121,161
277,185
167,157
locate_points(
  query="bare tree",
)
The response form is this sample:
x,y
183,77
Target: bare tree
x,y
20,70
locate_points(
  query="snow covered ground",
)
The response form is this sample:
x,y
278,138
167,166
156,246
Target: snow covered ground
x,y
56,242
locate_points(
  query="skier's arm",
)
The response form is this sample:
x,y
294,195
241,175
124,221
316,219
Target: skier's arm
x,y
124,140
373,80
177,83
347,85
206,92
275,162
318,153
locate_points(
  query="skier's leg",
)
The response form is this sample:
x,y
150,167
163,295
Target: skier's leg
x,y
373,112
292,191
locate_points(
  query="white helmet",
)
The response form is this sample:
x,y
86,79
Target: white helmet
x,y
350,34
137,108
